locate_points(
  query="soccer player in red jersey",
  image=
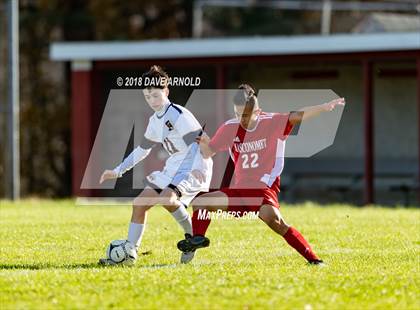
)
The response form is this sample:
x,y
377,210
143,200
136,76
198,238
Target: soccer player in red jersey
x,y
256,143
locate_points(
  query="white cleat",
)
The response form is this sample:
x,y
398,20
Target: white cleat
x,y
129,262
108,262
186,257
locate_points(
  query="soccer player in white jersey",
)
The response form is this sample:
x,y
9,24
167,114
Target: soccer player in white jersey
x,y
185,174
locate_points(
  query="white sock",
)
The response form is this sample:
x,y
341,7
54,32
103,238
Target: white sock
x,y
135,233
183,218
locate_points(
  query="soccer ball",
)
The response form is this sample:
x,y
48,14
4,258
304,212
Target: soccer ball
x,y
121,251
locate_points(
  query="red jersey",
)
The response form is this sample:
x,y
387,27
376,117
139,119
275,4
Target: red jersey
x,y
258,153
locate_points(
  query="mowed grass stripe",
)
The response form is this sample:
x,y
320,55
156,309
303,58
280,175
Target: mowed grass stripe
x,y
49,250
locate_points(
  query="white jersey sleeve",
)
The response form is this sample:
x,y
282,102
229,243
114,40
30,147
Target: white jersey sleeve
x,y
133,159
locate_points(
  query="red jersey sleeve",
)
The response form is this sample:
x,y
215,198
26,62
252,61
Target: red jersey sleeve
x,y
283,125
221,141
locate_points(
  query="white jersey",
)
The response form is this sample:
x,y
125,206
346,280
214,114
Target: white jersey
x,y
175,128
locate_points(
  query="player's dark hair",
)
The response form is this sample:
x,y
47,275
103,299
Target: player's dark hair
x,y
157,73
245,96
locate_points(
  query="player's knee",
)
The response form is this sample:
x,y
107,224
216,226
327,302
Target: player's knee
x,y
276,223
142,203
283,227
140,208
198,204
283,224
273,222
267,217
138,202
169,202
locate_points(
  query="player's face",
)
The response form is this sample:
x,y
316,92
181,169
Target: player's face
x,y
246,115
156,97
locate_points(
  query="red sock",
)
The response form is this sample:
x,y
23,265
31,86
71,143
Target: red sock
x,y
297,241
200,224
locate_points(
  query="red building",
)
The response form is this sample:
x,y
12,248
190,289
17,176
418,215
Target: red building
x,y
315,58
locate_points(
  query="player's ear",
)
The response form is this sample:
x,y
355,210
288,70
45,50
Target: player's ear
x,y
166,90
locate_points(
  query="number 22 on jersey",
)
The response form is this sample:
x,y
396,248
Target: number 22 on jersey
x,y
249,160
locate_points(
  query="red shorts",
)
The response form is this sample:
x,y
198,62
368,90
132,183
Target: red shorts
x,y
250,200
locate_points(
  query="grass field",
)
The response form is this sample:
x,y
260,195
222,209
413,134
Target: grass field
x,y
49,251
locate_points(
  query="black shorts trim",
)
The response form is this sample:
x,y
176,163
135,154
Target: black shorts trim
x,y
154,186
175,189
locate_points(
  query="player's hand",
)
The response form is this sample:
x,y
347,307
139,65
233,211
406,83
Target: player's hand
x,y
199,175
108,175
329,106
204,139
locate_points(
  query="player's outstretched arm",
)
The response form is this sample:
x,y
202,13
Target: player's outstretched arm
x,y
108,175
312,111
133,159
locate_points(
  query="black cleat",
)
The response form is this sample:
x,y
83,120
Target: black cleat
x,y
190,244
317,262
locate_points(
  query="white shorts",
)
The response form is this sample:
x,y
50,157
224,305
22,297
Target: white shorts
x,y
187,187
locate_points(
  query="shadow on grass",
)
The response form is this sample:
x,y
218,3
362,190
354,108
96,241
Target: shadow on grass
x,y
157,266
78,266
47,266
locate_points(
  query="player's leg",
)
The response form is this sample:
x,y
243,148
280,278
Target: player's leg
x,y
170,200
137,225
203,204
141,204
272,217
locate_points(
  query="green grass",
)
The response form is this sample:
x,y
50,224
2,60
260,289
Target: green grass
x,y
49,251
